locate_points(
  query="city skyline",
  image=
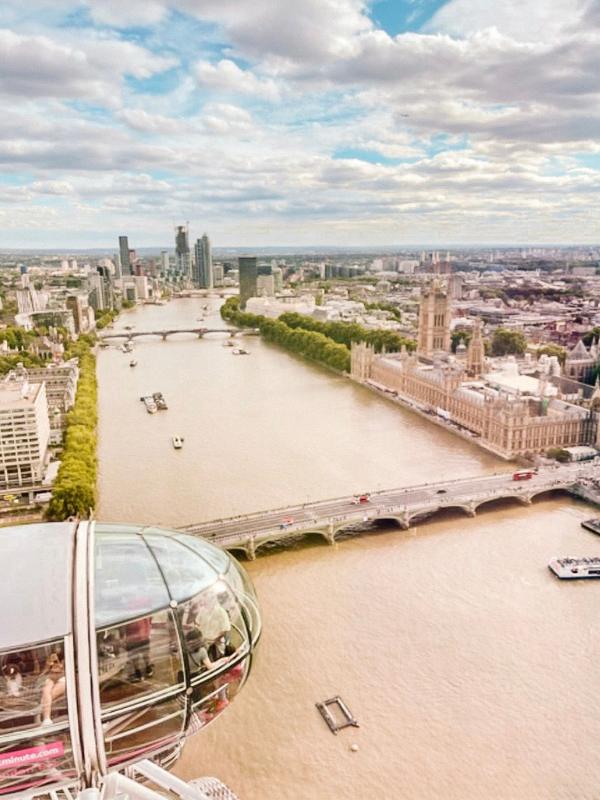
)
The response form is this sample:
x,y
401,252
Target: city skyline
x,y
338,121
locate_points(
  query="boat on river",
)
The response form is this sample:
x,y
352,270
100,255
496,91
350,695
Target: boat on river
x,y
149,403
239,351
160,401
177,442
592,525
573,567
133,363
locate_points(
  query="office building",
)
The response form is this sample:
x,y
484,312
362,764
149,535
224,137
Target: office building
x,y
183,256
83,313
101,289
124,255
218,274
277,273
60,381
24,434
202,271
265,286
28,300
248,275
164,261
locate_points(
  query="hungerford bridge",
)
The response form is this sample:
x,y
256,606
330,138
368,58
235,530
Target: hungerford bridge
x,y
199,332
329,518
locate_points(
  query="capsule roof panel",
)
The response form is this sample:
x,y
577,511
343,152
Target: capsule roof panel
x,y
141,569
35,590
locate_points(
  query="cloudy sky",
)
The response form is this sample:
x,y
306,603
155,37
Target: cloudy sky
x,y
299,122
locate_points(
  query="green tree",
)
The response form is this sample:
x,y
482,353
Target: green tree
x,y
506,342
457,336
591,336
383,306
74,490
553,350
558,454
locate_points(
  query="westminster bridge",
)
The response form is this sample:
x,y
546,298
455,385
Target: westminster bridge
x,y
199,332
402,507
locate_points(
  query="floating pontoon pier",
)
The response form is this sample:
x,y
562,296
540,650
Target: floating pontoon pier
x,y
334,723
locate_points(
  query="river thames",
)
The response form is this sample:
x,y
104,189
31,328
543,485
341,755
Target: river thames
x,y
472,671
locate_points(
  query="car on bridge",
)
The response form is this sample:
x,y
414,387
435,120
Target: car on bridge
x,y
285,523
359,499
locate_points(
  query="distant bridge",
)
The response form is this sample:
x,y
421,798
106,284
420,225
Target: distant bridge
x,y
402,507
164,334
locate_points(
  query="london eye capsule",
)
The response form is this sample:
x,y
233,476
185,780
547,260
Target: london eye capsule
x,y
116,643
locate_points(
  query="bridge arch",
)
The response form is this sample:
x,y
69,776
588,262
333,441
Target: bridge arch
x,y
349,526
240,549
523,498
549,490
276,537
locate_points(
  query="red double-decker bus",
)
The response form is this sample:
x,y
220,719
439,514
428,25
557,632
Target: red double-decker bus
x,y
523,475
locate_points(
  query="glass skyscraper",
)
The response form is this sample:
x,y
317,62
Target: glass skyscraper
x,y
202,270
124,255
183,256
248,273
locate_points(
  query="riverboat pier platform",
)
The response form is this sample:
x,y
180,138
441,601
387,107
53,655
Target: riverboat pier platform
x,y
402,506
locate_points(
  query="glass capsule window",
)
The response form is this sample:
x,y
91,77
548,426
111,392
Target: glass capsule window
x,y
34,723
133,734
184,571
214,632
128,580
137,658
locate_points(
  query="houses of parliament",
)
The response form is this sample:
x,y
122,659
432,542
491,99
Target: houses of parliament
x,y
506,411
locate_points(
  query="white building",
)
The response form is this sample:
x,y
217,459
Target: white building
x,y
265,286
24,434
60,381
142,287
273,308
277,273
29,300
164,261
218,274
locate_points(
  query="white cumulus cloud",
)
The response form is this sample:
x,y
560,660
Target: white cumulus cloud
x,y
226,76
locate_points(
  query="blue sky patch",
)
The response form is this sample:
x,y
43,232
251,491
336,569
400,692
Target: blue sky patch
x,y
401,16
161,83
370,156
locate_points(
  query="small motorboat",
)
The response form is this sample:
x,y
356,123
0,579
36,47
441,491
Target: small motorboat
x,y
239,351
133,363
151,406
177,442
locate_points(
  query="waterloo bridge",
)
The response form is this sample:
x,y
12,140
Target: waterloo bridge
x,y
403,507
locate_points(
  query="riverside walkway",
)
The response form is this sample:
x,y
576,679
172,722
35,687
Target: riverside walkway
x,y
403,506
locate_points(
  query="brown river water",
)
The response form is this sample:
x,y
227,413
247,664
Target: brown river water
x,y
471,670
